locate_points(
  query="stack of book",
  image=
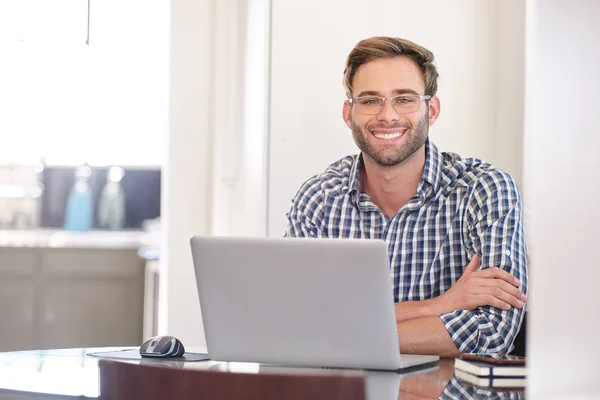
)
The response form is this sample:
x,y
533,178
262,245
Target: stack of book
x,y
491,371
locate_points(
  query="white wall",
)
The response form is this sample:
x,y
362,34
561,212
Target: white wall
x,y
479,59
509,68
563,172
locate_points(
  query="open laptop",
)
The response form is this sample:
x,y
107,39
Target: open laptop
x,y
299,302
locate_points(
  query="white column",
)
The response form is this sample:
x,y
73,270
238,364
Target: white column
x,y
563,176
214,178
187,173
241,65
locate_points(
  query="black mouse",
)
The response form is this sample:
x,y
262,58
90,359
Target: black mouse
x,y
162,346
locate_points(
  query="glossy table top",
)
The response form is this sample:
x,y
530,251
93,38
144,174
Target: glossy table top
x,y
71,373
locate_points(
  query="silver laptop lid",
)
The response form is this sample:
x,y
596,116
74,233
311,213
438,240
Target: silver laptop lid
x,y
302,302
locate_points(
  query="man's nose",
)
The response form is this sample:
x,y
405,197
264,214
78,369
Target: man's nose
x,y
387,113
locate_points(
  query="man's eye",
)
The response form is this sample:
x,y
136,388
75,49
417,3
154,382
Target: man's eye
x,y
370,101
404,100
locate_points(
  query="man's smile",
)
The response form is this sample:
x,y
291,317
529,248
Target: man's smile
x,y
388,134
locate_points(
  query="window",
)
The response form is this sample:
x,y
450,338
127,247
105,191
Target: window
x,y
68,102
54,21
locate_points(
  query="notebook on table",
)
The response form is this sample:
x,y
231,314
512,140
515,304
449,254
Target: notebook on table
x,y
491,365
492,381
491,370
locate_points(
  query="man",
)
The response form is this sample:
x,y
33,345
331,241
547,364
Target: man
x,y
453,225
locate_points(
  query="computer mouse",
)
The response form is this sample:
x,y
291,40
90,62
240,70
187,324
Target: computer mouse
x,y
162,346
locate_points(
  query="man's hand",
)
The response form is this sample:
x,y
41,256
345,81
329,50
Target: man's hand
x,y
422,331
489,287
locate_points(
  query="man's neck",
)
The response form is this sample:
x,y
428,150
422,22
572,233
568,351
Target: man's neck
x,y
391,188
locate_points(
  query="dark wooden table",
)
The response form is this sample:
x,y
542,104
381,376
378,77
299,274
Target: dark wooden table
x,y
71,373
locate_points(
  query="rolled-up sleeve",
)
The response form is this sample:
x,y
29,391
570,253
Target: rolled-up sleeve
x,y
495,232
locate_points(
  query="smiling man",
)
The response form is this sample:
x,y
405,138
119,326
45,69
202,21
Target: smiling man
x,y
453,225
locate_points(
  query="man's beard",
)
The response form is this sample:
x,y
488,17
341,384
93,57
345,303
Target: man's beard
x,y
387,156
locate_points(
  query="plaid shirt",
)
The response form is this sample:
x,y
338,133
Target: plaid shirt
x,y
462,207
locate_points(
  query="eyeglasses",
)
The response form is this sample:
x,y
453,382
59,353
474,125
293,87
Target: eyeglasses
x,y
403,104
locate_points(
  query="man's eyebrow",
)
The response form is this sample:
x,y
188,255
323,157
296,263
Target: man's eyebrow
x,y
369,93
396,92
405,91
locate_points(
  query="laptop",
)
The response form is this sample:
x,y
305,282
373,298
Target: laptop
x,y
299,302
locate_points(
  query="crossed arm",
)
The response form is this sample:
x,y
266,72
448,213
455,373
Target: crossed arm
x,y
483,310
422,331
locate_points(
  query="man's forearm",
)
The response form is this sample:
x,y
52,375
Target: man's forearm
x,y
406,310
425,335
420,329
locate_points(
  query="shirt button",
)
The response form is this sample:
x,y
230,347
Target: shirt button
x,y
507,252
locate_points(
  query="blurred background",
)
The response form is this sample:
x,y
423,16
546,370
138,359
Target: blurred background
x,y
83,122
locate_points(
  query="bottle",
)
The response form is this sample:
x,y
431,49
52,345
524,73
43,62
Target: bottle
x,y
79,212
111,207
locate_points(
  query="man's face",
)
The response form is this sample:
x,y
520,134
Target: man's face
x,y
389,138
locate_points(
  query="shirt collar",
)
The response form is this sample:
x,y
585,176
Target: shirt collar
x,y
431,173
354,177
433,167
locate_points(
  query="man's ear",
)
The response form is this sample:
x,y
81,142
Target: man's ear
x,y
434,109
347,114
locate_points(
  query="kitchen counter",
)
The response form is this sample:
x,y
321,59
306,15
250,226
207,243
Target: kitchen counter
x,y
55,238
65,289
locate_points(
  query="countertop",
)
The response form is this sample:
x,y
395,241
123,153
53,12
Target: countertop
x,y
55,238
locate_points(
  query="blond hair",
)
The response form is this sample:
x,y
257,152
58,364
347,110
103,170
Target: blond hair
x,y
373,48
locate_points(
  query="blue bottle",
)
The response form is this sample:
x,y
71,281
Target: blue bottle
x,y
79,212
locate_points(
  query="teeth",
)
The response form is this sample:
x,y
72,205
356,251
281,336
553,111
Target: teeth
x,y
388,136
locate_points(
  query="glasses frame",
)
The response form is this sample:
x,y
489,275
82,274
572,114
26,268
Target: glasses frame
x,y
421,97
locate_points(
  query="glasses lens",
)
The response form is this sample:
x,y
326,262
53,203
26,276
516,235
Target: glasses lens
x,y
369,105
406,103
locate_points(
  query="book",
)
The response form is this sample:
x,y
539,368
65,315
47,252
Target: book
x,y
497,382
486,369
